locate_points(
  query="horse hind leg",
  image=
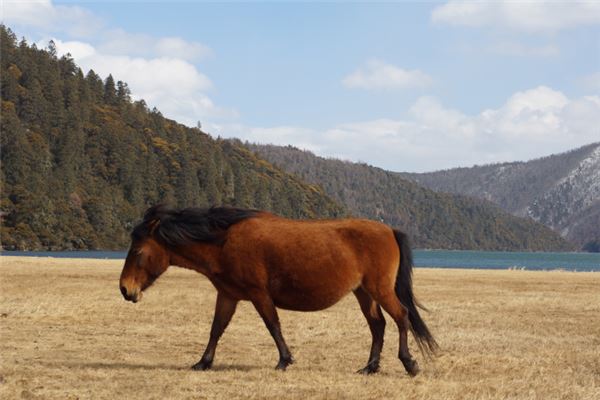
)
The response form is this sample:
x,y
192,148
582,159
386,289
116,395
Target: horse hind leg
x,y
376,321
392,305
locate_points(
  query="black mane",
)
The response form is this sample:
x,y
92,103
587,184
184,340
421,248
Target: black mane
x,y
179,227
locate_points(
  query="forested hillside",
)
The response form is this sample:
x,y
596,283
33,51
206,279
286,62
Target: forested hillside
x,y
561,191
434,220
81,161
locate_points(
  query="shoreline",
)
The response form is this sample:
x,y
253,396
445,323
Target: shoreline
x,y
78,260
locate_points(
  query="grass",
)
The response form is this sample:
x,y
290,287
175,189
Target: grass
x,y
66,333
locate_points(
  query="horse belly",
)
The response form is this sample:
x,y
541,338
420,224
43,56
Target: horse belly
x,y
312,289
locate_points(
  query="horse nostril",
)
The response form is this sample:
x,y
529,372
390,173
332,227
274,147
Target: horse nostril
x,y
124,291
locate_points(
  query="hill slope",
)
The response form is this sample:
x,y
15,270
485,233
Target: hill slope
x,y
561,191
434,220
81,161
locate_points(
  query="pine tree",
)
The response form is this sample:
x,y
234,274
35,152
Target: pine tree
x,y
52,49
110,92
95,85
123,93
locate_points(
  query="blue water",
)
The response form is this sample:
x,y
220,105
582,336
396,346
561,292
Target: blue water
x,y
506,260
422,258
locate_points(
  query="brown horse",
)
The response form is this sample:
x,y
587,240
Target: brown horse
x,y
277,262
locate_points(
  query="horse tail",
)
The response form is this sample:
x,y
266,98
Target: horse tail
x,y
404,291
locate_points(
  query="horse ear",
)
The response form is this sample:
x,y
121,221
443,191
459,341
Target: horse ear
x,y
153,225
155,212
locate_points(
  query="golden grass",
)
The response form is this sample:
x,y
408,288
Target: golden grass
x,y
67,333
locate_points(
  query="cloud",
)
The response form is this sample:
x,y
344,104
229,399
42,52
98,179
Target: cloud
x,y
50,18
526,16
531,123
120,42
378,75
279,135
173,85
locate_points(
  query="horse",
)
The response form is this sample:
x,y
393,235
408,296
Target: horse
x,y
275,262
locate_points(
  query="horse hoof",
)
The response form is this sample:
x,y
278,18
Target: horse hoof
x,y
202,366
283,364
369,369
412,369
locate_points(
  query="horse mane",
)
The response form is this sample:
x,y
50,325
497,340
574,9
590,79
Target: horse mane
x,y
184,226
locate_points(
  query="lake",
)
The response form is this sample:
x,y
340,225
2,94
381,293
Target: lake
x,y
422,258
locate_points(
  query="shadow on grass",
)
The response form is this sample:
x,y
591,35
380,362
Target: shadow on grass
x,y
235,367
134,366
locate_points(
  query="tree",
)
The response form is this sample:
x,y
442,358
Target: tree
x,y
110,92
95,85
123,93
52,49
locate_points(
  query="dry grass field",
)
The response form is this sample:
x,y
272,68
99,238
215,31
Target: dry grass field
x,y
66,333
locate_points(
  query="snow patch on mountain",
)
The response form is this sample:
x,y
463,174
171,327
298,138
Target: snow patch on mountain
x,y
569,196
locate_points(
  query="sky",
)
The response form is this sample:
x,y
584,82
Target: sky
x,y
405,86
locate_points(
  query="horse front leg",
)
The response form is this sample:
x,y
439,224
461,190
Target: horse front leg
x,y
224,310
266,309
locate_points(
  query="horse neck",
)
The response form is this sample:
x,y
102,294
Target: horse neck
x,y
200,257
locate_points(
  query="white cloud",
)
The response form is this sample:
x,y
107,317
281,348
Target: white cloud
x,y
279,135
378,75
179,48
44,15
173,85
120,42
530,124
526,16
78,50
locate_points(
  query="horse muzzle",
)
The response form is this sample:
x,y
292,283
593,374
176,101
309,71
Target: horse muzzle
x,y
131,295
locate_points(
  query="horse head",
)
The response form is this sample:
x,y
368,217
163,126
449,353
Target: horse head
x,y
146,260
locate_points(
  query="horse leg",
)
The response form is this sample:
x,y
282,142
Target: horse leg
x,y
266,309
376,321
224,310
391,304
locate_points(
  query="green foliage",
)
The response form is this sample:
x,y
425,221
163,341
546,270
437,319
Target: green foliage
x,y
81,161
433,220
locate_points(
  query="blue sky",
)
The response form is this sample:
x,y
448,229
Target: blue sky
x,y
405,86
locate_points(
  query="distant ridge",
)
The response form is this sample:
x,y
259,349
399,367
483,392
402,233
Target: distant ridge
x,y
434,220
562,191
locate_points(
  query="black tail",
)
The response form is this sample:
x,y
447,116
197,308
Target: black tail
x,y
404,291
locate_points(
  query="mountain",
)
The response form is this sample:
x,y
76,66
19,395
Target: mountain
x,y
561,191
434,220
81,161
